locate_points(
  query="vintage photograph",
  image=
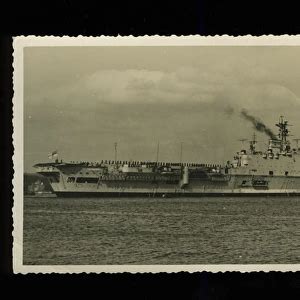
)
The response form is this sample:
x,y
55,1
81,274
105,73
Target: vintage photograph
x,y
164,154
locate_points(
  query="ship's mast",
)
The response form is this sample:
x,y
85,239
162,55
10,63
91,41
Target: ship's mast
x,y
181,143
157,152
254,138
242,141
116,150
283,133
253,143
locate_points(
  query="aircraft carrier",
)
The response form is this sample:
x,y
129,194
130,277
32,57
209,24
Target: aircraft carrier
x,y
274,171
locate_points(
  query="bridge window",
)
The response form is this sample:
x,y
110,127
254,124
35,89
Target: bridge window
x,y
286,173
271,173
71,179
87,179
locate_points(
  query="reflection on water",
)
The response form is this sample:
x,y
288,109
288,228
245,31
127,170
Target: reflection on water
x,y
161,231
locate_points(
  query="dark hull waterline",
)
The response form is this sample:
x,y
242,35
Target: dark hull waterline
x,y
168,195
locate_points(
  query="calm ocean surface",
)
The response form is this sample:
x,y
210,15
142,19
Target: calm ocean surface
x,y
161,231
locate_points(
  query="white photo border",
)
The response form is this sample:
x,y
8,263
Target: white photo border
x,y
19,43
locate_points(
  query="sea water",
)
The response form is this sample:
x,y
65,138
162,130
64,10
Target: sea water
x,y
85,231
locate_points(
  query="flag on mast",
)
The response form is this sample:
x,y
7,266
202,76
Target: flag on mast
x,y
52,155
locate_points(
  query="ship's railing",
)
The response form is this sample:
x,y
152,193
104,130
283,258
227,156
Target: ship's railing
x,y
47,169
137,178
142,163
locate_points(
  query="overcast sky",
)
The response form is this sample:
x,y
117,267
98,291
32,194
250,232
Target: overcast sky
x,y
80,100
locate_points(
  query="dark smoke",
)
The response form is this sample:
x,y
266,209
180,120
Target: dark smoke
x,y
258,125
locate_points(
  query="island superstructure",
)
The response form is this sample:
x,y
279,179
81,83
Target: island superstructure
x,y
275,171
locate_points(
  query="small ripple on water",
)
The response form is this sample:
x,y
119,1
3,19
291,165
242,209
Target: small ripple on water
x,y
161,231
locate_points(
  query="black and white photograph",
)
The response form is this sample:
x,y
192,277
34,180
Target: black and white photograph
x,y
156,154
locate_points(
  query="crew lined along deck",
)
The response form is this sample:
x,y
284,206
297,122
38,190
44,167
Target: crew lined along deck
x,y
141,164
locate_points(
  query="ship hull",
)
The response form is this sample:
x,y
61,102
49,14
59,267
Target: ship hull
x,y
233,186
140,185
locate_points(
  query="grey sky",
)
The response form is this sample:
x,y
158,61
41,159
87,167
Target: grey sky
x,y
80,100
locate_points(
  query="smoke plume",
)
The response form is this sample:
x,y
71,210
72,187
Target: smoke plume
x,y
258,125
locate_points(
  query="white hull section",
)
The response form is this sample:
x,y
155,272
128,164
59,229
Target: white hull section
x,y
236,185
